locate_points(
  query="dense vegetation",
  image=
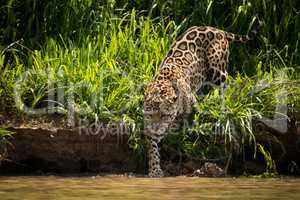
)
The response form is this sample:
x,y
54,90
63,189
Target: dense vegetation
x,y
93,58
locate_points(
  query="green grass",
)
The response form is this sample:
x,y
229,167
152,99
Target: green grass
x,y
102,79
4,141
224,120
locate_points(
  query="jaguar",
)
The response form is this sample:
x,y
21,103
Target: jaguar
x,y
199,55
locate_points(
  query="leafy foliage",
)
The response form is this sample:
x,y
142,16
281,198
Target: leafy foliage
x,y
4,141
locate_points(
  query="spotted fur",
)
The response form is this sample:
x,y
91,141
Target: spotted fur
x,y
199,54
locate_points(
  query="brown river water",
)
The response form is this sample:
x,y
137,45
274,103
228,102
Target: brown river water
x,y
117,187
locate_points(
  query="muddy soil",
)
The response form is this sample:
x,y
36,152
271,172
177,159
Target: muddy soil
x,y
48,145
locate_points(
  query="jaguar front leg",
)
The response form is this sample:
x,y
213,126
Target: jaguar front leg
x,y
154,158
155,130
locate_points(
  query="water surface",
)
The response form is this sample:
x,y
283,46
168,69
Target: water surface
x,y
116,187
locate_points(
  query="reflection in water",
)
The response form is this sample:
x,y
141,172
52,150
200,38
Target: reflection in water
x,y
112,187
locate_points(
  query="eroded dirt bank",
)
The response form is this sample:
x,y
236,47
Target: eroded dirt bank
x,y
46,149
67,151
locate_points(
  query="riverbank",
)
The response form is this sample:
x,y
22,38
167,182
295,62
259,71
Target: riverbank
x,y
44,148
51,147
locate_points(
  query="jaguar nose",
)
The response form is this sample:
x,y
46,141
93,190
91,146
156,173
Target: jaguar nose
x,y
153,126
